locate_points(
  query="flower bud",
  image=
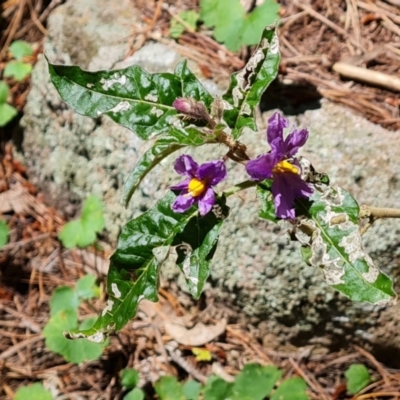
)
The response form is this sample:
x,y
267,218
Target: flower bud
x,y
192,108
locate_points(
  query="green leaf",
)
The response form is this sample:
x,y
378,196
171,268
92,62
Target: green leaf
x,y
176,28
82,232
20,49
129,378
337,248
135,394
7,113
267,211
248,85
132,97
255,382
168,388
86,287
134,267
75,351
291,389
357,377
35,391
233,26
165,145
196,246
217,389
4,91
191,390
4,233
63,298
17,70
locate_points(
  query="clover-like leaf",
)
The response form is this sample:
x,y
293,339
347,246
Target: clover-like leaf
x,y
165,145
291,389
247,86
17,69
232,26
75,351
134,267
129,378
86,287
191,390
132,97
7,113
134,394
217,389
168,388
337,249
4,92
20,49
36,391
82,232
255,382
64,298
357,377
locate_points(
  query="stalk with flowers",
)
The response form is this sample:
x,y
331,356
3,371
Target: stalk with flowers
x,y
178,112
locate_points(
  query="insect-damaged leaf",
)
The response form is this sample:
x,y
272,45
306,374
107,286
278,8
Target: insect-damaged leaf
x,y
132,97
247,86
336,248
134,267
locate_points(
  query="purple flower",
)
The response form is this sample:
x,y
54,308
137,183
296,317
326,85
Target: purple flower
x,y
280,165
197,185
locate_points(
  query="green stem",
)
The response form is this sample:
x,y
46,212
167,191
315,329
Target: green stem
x,y
240,186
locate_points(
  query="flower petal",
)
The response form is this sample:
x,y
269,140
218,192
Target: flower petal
x,y
285,189
206,202
183,202
276,123
295,140
261,167
212,172
185,165
182,185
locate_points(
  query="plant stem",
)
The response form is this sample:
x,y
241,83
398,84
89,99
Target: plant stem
x,y
374,213
240,186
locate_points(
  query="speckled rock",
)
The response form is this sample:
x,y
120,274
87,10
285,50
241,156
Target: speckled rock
x,y
256,268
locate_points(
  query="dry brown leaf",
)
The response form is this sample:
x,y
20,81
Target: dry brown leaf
x,y
199,335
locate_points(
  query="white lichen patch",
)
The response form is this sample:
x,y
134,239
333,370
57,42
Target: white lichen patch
x,y
107,83
372,275
115,290
333,218
187,271
107,308
122,106
98,337
227,106
156,111
237,95
151,97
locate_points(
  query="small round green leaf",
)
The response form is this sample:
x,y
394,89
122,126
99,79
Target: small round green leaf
x,y
191,390
135,394
20,49
168,388
4,91
7,113
17,70
129,378
357,377
33,392
291,389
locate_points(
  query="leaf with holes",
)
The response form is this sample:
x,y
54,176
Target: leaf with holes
x,y
196,246
248,85
337,250
132,97
165,145
134,267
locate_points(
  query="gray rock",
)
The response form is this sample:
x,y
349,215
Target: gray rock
x,y
256,267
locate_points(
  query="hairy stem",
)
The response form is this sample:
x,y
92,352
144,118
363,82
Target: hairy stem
x,y
240,186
